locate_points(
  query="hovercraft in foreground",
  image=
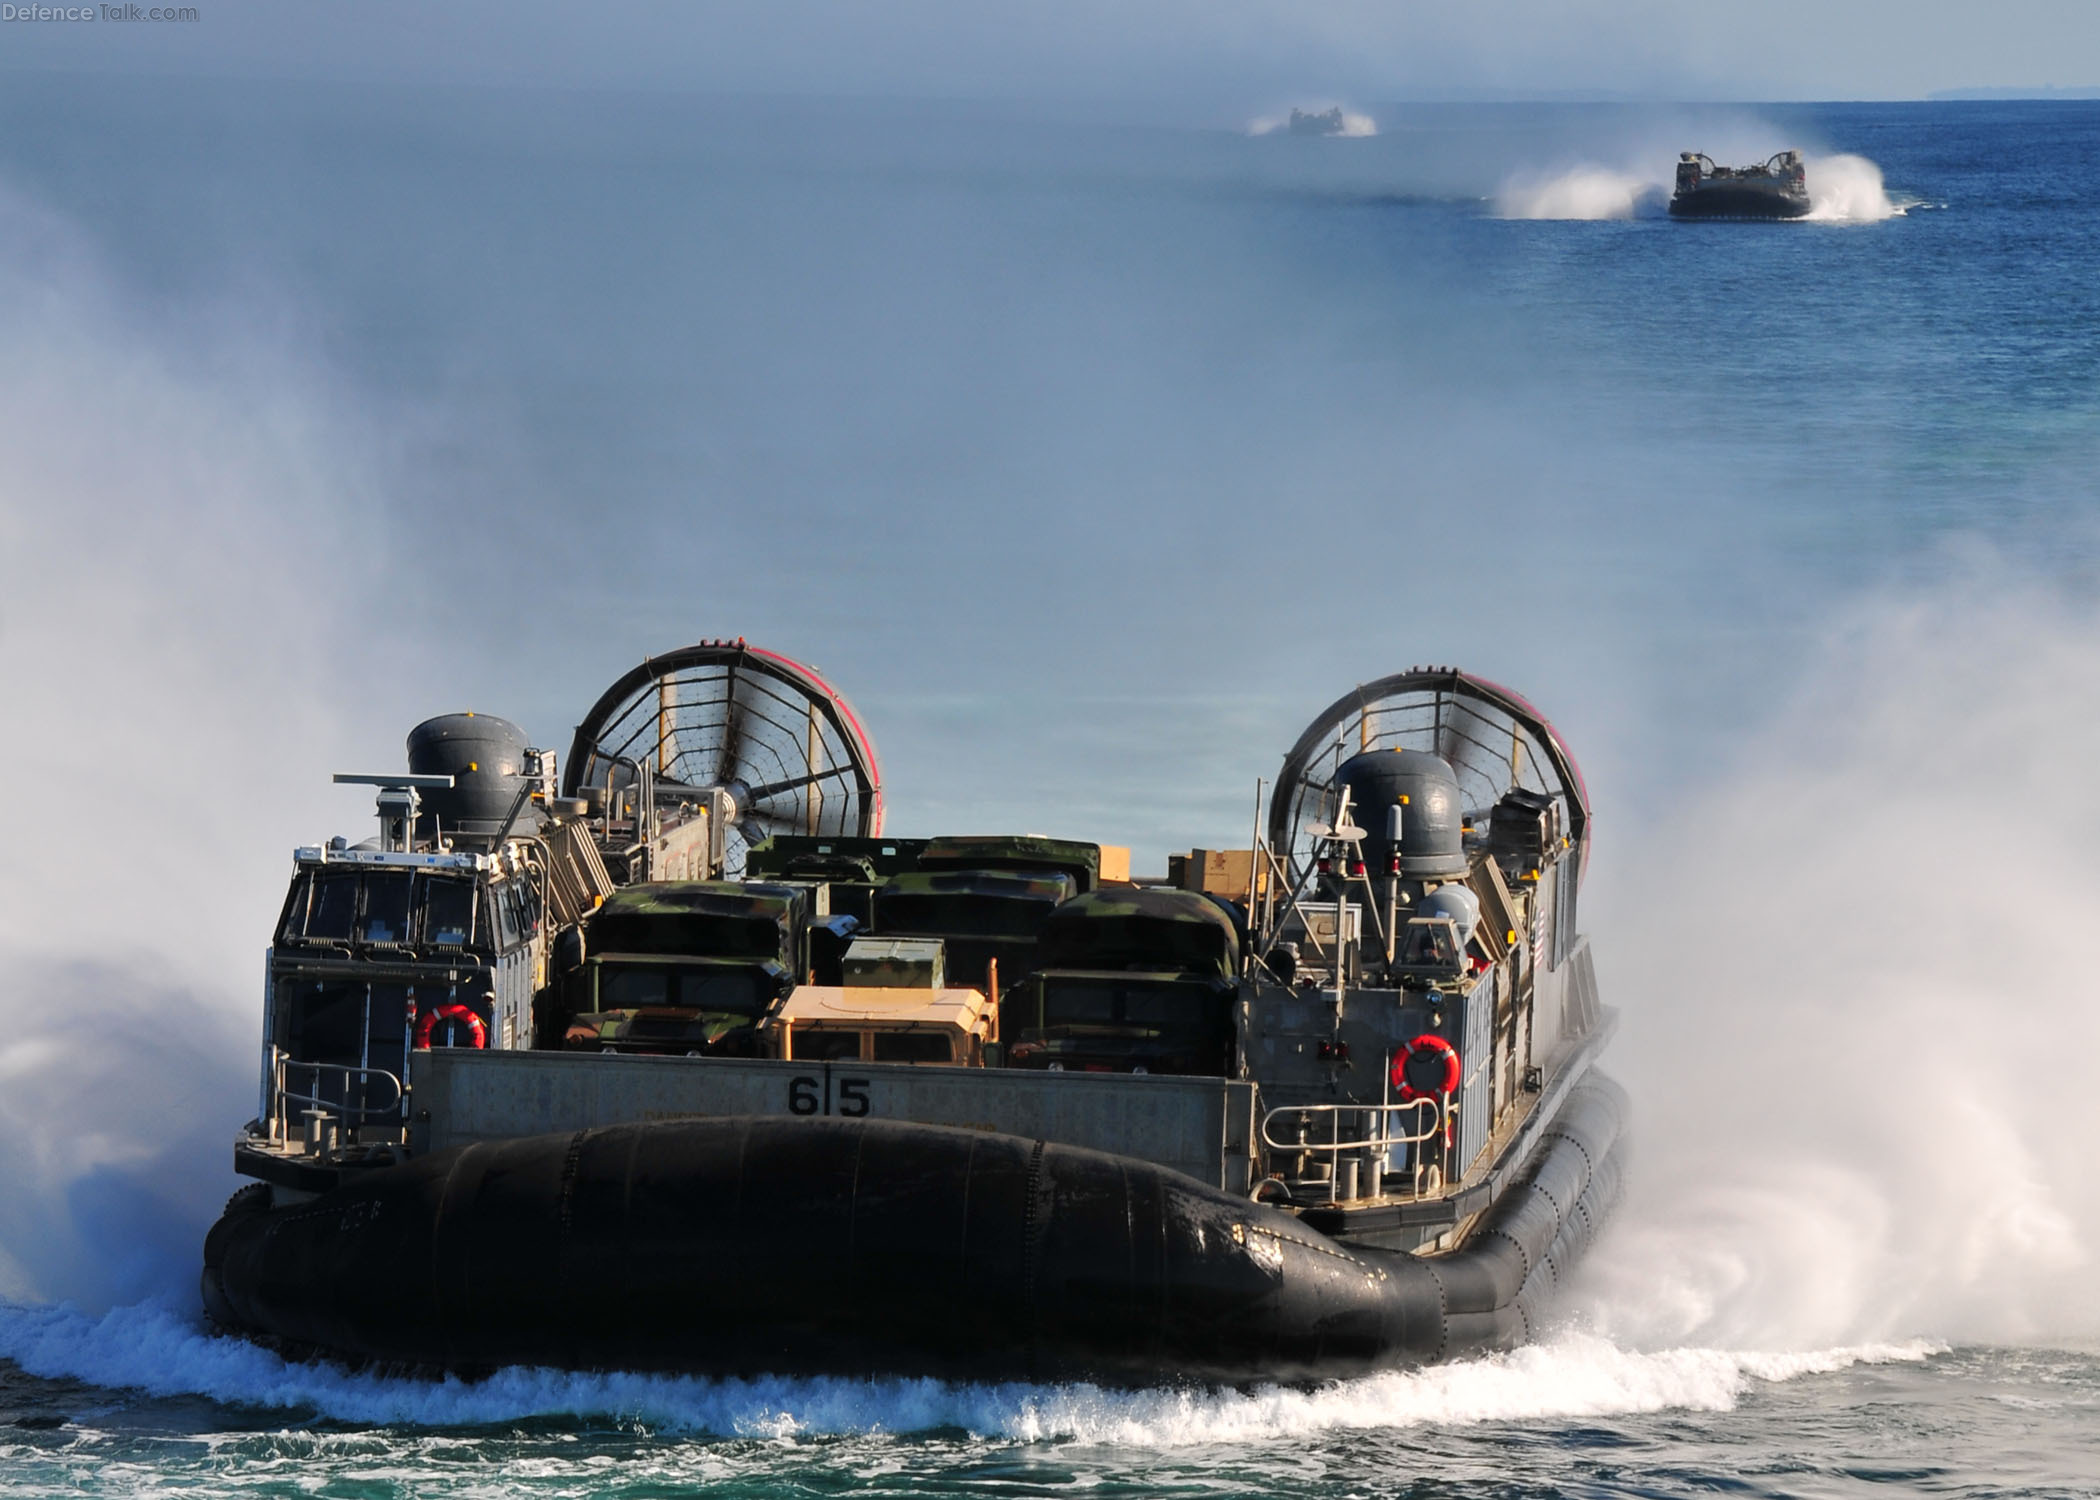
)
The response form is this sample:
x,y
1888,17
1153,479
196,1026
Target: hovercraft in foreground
x,y
675,1060
1776,188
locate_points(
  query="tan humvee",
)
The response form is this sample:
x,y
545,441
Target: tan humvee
x,y
863,1023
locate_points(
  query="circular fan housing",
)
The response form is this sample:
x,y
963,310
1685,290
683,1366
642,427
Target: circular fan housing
x,y
1493,740
725,716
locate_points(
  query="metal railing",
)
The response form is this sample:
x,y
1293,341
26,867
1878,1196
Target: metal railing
x,y
322,1113
1370,1144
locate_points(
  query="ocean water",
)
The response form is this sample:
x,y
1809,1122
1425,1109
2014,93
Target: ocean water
x,y
1092,459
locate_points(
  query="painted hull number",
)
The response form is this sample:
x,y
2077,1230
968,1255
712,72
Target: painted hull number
x,y
823,1094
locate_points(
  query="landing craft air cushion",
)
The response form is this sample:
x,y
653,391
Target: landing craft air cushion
x,y
1776,188
677,1061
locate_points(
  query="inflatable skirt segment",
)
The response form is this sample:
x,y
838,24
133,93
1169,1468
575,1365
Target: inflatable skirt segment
x,y
830,1246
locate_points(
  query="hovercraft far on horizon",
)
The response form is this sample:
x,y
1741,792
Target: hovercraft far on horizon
x,y
1776,188
673,1058
1324,122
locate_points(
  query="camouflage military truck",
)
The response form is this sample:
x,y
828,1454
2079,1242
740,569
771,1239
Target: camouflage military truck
x,y
985,896
1130,980
981,916
850,869
1029,853
694,967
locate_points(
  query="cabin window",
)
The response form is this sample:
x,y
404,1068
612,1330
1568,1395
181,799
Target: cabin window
x,y
528,909
740,992
631,989
827,1046
334,908
296,900
507,915
1428,945
517,913
448,913
720,990
386,908
913,1047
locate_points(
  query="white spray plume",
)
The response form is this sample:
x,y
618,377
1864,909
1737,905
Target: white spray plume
x,y
1355,124
1584,192
1862,996
1847,189
1842,188
184,539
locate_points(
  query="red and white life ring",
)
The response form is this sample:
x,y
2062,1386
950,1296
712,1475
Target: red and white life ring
x,y
454,1011
1433,1046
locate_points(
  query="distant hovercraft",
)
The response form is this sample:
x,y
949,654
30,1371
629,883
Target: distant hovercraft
x,y
1775,189
1326,122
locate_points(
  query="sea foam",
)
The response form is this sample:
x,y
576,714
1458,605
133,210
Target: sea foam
x,y
154,1348
1842,189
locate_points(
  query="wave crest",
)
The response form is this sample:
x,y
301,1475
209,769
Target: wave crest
x,y
151,1347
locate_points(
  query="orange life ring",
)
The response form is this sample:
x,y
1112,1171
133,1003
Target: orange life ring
x,y
454,1011
1426,1043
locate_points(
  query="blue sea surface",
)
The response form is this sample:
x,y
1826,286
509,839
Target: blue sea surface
x,y
1091,461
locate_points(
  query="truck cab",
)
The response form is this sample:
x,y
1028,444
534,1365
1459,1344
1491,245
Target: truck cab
x,y
693,967
893,1005
982,916
1131,980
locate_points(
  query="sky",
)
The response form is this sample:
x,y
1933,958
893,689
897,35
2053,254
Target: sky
x,y
1186,60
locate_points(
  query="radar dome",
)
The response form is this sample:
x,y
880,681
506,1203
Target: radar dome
x,y
485,757
1425,790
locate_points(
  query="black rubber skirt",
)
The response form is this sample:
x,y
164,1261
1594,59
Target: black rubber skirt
x,y
789,1246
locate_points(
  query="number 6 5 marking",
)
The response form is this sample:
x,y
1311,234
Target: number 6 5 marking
x,y
806,1096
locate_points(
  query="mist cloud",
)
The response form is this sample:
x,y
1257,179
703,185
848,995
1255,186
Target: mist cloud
x,y
1860,993
188,541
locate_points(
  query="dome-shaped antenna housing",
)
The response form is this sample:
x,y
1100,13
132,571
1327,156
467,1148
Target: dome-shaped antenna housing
x,y
486,758
1423,790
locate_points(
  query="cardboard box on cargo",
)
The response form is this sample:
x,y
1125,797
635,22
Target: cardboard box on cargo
x,y
1219,872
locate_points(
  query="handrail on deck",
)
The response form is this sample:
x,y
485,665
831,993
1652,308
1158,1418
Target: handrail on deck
x,y
1379,1140
281,1093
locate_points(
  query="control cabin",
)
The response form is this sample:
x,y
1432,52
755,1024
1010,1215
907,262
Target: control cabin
x,y
434,933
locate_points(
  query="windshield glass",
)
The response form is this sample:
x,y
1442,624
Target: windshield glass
x,y
624,988
448,912
821,1045
334,905
738,990
386,908
913,1047
742,992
